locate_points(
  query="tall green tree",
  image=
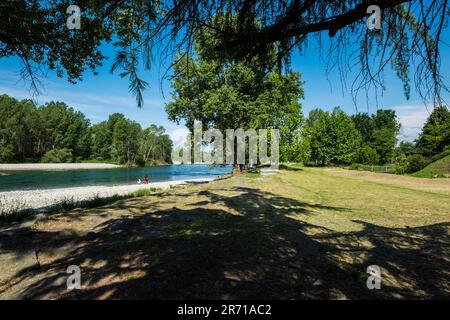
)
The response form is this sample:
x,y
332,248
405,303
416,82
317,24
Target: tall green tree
x,y
65,128
379,135
385,134
156,145
333,137
435,135
101,137
16,126
365,125
227,94
125,141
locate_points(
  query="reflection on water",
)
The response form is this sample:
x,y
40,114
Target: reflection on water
x,y
23,180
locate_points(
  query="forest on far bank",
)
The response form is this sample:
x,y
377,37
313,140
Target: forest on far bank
x,y
364,141
55,132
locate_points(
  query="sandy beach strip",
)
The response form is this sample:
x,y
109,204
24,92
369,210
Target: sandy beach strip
x,y
42,198
55,166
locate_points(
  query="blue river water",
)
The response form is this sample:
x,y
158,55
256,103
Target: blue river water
x,y
40,179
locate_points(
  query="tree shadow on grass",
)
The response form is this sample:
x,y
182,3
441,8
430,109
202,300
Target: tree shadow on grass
x,y
289,167
240,243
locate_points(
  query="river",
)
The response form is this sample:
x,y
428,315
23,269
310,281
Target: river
x,y
40,179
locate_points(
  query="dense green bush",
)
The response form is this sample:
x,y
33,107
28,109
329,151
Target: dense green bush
x,y
58,156
400,162
401,168
368,155
415,163
357,166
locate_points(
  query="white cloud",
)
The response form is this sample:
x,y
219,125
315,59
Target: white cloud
x,y
97,105
12,84
179,136
412,118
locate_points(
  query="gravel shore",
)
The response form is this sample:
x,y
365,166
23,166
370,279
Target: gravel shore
x,y
41,198
55,166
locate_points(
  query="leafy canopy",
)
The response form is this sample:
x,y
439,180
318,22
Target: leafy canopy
x,y
409,39
379,135
230,94
332,137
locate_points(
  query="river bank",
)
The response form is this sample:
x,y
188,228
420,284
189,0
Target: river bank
x,y
55,166
42,198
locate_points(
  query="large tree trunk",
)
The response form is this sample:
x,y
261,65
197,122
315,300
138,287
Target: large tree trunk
x,y
237,168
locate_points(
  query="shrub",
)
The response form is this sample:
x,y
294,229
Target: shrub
x,y
357,166
13,210
400,162
401,168
415,163
368,155
145,192
58,156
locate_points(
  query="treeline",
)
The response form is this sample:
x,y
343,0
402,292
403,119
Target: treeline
x,y
55,132
336,138
121,140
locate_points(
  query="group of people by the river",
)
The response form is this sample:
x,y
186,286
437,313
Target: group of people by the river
x,y
145,181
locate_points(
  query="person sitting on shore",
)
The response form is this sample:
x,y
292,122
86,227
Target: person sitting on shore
x,y
139,181
145,180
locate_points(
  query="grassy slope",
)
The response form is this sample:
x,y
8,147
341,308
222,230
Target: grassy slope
x,y
308,233
437,169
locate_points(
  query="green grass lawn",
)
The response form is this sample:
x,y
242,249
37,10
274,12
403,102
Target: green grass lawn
x,y
306,233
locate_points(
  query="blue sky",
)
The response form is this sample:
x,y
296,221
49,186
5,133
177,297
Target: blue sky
x,y
99,96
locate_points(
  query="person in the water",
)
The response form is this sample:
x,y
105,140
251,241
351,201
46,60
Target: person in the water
x,y
145,180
